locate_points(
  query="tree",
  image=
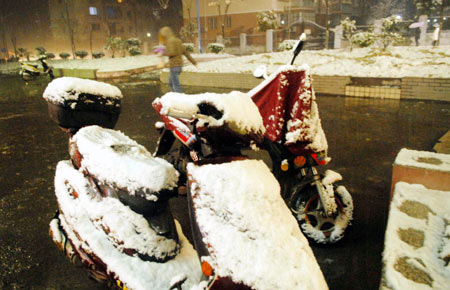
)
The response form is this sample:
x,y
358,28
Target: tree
x,y
114,44
222,9
267,20
70,27
389,31
326,4
349,28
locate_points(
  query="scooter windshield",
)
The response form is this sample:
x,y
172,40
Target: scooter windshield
x,y
287,105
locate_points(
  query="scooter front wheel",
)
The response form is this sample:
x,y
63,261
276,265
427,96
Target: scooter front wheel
x,y
315,224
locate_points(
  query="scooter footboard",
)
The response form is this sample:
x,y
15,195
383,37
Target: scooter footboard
x,y
248,230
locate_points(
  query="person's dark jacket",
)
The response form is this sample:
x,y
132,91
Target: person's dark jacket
x,y
174,48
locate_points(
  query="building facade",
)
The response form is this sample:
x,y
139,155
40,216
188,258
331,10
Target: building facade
x,y
229,18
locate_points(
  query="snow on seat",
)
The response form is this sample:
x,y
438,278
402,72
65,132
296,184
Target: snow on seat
x,y
89,216
251,234
115,159
69,90
238,110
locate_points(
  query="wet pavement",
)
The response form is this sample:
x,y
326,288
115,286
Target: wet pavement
x,y
364,136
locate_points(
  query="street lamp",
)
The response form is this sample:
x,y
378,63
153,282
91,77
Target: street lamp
x,y
149,34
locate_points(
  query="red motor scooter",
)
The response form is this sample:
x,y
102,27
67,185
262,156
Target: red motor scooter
x,y
297,145
244,234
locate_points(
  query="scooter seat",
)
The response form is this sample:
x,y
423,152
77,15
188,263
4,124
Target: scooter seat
x,y
216,114
115,159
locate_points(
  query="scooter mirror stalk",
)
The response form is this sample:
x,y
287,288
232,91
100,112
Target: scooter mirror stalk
x,y
298,47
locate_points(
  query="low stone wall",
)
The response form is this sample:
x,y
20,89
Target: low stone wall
x,y
437,89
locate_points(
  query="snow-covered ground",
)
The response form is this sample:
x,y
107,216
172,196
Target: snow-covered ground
x,y
123,63
395,62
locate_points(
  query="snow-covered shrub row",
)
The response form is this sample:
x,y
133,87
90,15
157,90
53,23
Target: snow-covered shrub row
x,y
287,44
189,47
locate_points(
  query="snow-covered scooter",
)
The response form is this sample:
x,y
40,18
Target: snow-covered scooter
x,y
114,217
29,72
244,234
297,145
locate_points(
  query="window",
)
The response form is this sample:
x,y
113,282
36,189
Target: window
x,y
212,23
93,11
228,22
95,26
113,12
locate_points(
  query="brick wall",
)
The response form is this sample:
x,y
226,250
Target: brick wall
x,y
411,88
426,89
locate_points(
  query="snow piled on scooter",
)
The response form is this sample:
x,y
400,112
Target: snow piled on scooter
x,y
114,158
251,234
301,126
246,119
63,89
344,217
131,270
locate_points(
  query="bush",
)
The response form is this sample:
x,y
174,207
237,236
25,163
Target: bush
x,y
215,47
189,47
364,39
114,44
64,55
81,53
134,51
267,20
41,50
50,55
287,44
98,54
23,52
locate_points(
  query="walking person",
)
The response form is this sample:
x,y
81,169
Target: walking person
x,y
435,34
174,50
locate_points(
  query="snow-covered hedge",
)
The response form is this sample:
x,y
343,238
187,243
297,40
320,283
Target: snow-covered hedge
x,y
287,44
189,47
215,47
363,38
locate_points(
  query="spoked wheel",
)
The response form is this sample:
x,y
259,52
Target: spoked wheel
x,y
26,76
309,212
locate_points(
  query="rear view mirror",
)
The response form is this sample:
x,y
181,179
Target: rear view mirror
x,y
260,72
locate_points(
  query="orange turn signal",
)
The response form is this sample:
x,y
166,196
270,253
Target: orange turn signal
x,y
207,269
284,165
299,161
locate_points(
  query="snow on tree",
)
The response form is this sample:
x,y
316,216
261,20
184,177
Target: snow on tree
x,y
114,44
364,38
389,31
428,6
349,27
267,20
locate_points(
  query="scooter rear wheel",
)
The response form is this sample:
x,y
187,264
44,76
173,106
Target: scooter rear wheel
x,y
313,221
